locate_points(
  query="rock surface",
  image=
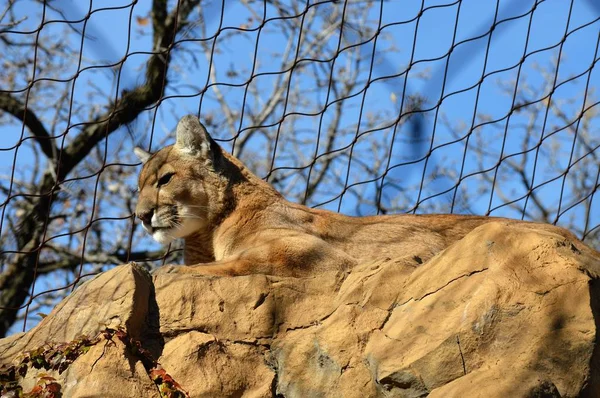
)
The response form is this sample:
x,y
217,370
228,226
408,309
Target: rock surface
x,y
508,311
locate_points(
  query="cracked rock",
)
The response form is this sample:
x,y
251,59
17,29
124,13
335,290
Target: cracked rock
x,y
511,310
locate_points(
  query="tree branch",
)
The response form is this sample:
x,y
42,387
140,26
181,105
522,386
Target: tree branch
x,y
132,103
11,105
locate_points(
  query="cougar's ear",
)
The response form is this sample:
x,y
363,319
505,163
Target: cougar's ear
x,y
141,154
193,138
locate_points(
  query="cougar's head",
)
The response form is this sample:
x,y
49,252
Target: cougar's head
x,y
177,185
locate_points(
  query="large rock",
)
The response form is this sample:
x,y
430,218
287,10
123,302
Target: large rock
x,y
508,311
121,298
118,298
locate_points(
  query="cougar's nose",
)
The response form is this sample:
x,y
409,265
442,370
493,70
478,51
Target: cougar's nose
x,y
146,216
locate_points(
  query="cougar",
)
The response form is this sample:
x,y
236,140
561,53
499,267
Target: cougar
x,y
234,223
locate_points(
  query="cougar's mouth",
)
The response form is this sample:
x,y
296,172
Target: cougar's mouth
x,y
170,223
151,229
162,220
159,228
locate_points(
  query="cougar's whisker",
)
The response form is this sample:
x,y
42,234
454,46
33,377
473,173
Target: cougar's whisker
x,y
191,217
197,206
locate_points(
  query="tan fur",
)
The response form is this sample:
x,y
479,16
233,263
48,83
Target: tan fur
x,y
237,224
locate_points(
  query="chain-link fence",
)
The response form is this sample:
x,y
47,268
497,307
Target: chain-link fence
x,y
364,107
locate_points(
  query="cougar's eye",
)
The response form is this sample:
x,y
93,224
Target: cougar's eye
x,y
165,179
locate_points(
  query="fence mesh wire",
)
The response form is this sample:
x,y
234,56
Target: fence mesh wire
x,y
364,107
